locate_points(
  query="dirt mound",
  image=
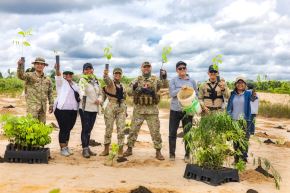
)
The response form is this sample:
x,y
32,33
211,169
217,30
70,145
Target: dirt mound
x,y
286,144
254,176
265,135
144,163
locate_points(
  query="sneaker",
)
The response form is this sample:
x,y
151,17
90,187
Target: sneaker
x,y
64,152
70,151
86,153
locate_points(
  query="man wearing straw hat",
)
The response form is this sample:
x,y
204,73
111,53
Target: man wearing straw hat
x,y
38,89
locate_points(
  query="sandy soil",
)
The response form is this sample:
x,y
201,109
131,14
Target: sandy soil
x,y
76,174
275,98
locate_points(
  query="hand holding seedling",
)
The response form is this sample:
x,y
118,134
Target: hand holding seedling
x,y
23,42
222,84
106,73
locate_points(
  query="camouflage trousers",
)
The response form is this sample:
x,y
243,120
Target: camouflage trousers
x,y
115,112
37,111
153,124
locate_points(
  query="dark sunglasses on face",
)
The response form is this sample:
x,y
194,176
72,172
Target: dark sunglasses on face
x,y
181,68
117,73
213,72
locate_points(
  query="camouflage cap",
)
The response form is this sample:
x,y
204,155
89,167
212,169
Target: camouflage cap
x,y
117,70
40,60
146,64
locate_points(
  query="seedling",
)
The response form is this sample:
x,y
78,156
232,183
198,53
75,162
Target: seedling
x,y
23,41
26,130
165,52
216,61
113,153
210,142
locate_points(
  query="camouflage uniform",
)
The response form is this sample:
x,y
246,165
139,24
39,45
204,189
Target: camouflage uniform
x,y
146,108
115,110
211,96
38,91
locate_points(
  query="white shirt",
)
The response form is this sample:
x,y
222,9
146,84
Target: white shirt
x,y
92,91
65,95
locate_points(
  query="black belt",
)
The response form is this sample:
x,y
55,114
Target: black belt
x,y
214,108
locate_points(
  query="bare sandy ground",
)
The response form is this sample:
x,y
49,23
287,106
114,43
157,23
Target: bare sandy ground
x,y
76,174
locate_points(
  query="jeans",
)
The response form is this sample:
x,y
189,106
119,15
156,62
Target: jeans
x,y
174,119
252,126
88,120
66,120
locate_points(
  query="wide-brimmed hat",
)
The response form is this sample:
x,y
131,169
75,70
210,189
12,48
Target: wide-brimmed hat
x,y
40,60
242,78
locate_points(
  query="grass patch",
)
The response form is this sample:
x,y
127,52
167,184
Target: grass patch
x,y
267,109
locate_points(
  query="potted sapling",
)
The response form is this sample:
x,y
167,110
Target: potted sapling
x,y
211,143
108,55
27,137
165,52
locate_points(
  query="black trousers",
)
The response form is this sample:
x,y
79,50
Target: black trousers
x,y
88,120
174,119
66,120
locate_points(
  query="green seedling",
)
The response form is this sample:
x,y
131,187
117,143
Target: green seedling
x,y
113,153
107,53
23,41
165,52
216,61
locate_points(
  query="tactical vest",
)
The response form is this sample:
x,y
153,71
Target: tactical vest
x,y
147,99
119,93
213,93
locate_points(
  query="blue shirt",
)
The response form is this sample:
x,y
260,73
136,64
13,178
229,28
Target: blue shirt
x,y
247,107
238,106
174,86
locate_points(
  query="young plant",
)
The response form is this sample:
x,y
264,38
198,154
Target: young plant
x,y
165,52
23,42
269,169
26,130
107,53
210,142
216,61
113,153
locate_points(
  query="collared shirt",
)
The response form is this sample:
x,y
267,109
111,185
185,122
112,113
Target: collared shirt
x,y
238,106
174,87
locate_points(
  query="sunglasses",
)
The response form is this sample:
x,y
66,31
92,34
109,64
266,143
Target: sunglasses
x,y
118,73
213,72
181,68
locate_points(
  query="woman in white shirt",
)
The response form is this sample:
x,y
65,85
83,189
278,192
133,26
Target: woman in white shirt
x,y
65,107
91,98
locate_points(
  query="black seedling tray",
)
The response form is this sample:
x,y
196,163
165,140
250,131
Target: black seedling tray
x,y
18,154
211,176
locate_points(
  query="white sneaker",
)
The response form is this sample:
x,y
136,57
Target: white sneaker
x,y
64,152
70,151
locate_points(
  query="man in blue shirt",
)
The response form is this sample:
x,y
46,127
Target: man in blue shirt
x,y
182,80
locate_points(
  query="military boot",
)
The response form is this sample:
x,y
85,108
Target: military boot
x,y
120,152
159,156
106,150
128,152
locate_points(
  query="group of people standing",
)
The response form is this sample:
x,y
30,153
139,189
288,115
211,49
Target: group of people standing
x,y
87,96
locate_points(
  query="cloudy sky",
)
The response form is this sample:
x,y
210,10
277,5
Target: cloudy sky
x,y
252,35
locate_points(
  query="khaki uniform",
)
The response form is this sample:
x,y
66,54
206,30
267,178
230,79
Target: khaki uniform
x,y
38,91
211,96
146,108
115,110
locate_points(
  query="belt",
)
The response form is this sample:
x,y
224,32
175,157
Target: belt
x,y
214,108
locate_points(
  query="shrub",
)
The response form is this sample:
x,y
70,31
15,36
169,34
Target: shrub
x,y
26,130
268,109
210,142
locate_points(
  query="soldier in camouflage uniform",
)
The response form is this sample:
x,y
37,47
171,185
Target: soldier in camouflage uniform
x,y
115,110
213,93
146,96
38,89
